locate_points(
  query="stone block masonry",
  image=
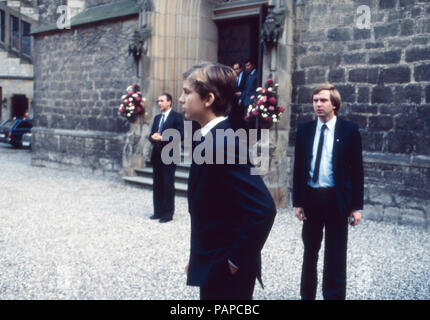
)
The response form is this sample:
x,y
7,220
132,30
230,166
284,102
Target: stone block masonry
x,y
86,151
80,76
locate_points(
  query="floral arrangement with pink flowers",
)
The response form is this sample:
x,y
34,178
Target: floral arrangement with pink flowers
x,y
132,103
264,111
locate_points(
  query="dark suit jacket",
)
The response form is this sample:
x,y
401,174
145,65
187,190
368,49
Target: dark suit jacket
x,y
242,82
173,121
347,165
231,212
250,89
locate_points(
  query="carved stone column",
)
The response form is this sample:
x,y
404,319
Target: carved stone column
x,y
182,34
277,63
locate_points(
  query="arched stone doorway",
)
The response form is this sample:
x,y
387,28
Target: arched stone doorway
x,y
19,105
238,40
238,32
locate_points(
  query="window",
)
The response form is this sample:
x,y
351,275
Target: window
x,y
14,28
26,39
15,33
2,26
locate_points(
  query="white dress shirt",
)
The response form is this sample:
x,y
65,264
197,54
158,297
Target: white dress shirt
x,y
325,177
239,78
208,127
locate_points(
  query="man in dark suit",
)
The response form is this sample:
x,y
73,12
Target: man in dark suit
x,y
250,85
327,191
241,78
237,112
231,211
164,174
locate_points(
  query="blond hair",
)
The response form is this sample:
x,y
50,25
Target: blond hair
x,y
335,98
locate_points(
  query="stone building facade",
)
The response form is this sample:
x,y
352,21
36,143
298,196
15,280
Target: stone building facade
x,y
375,51
79,74
16,64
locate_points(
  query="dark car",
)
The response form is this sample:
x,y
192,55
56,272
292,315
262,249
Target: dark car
x,y
13,133
26,140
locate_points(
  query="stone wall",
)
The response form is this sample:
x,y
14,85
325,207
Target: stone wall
x,y
383,75
80,75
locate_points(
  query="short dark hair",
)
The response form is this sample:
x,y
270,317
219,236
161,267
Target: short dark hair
x,y
215,78
251,61
240,64
167,95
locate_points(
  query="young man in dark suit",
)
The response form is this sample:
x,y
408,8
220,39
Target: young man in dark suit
x,y
231,211
164,174
327,191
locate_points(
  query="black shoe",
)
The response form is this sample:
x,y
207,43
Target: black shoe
x,y
154,217
163,220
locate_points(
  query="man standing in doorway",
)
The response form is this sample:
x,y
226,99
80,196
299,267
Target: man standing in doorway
x,y
164,174
327,191
237,112
241,78
250,85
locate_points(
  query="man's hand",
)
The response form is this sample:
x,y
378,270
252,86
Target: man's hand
x,y
300,213
186,268
156,137
354,218
232,268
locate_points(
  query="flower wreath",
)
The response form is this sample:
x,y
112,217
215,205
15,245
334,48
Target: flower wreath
x,y
264,111
132,103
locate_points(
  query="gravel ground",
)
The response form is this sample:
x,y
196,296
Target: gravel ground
x,y
66,235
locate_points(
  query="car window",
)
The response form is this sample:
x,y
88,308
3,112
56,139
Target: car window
x,y
8,124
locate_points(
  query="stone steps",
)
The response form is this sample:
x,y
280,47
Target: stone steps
x,y
144,178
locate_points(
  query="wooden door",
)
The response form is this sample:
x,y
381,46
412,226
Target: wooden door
x,y
238,40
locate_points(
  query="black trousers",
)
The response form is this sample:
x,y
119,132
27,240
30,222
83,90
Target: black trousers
x,y
163,189
322,213
225,286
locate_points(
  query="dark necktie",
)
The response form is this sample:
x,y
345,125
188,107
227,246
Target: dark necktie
x,y
160,127
319,152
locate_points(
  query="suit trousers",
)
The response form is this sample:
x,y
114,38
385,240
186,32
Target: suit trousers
x,y
226,286
322,213
164,189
